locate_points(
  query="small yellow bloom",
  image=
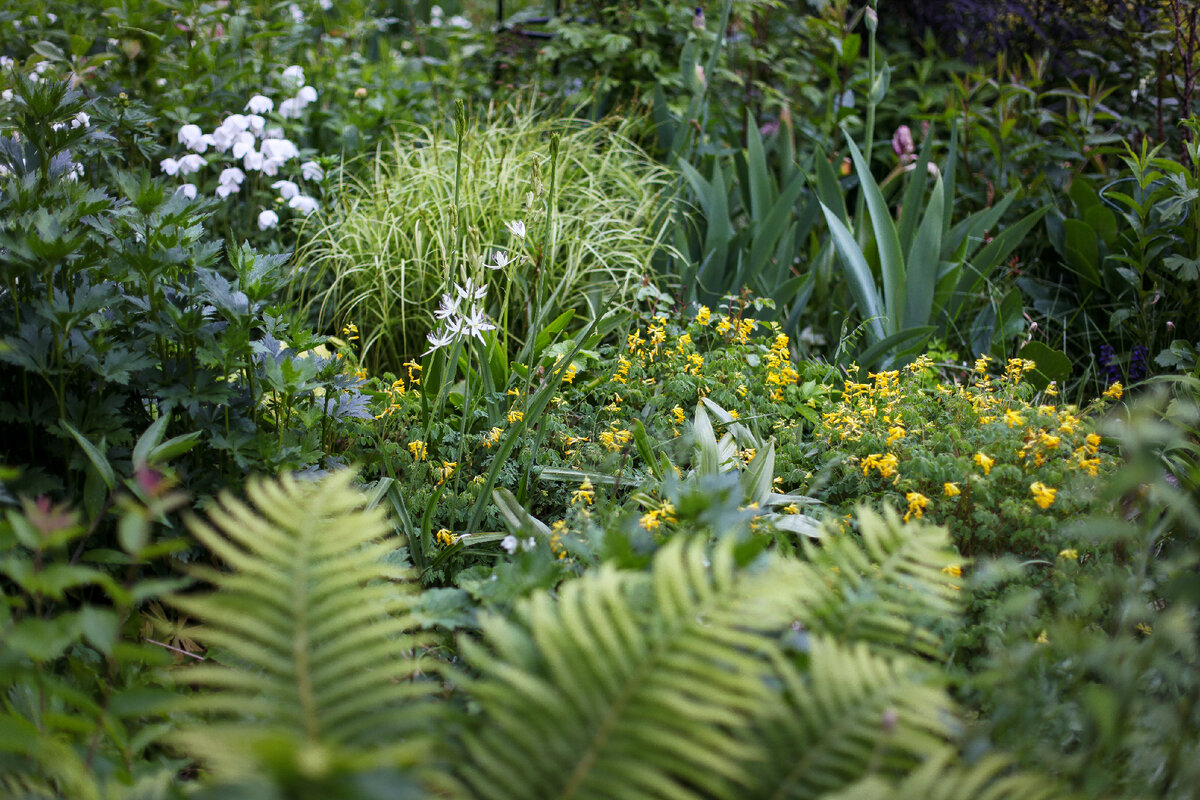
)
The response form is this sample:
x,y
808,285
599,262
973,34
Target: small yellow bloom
x,y
412,367
1092,442
418,450
569,374
1115,391
585,493
350,332
1144,629
985,462
1042,638
515,417
445,537
733,412
951,489
1012,418
916,505
447,470
1043,495
1070,553
704,315
680,416
894,433
491,437
953,570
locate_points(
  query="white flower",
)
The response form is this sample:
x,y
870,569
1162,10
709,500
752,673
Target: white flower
x,y
189,133
438,340
236,123
253,161
267,219
232,175
516,228
325,4
169,165
260,105
529,543
291,109
161,82
279,149
223,137
287,189
273,133
244,143
303,203
459,21
448,308
188,190
306,95
6,95
509,543
297,14
226,189
52,17
255,124
294,75
311,171
6,62
270,167
470,291
500,259
476,324
191,163
82,120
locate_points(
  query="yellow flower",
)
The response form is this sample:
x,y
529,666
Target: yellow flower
x,y
951,489
916,505
886,464
418,450
569,374
412,367
650,520
1070,553
894,433
1144,629
724,325
447,470
491,437
350,332
515,417
445,537
1012,418
733,412
1115,391
1052,389
704,315
585,493
953,570
1042,638
1043,495
635,341
1092,443
680,416
985,462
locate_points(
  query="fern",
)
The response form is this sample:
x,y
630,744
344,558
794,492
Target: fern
x,y
311,664
686,682
940,779
627,685
884,587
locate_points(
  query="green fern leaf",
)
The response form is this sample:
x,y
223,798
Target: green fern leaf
x,y
316,659
628,685
939,778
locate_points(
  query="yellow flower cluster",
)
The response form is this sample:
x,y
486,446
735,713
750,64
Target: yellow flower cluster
x,y
445,538
780,372
894,412
615,438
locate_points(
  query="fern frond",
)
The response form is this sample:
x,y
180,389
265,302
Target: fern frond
x,y
316,624
885,588
939,778
629,685
844,713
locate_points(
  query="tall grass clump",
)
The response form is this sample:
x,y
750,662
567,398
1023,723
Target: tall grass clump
x,y
436,208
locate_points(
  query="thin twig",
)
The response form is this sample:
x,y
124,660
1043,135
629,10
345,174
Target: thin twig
x,y
177,650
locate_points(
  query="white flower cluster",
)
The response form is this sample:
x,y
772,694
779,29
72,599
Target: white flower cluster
x,y
7,62
259,148
457,323
510,543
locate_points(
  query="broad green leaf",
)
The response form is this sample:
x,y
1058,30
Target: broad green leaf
x,y
923,263
858,274
98,459
891,259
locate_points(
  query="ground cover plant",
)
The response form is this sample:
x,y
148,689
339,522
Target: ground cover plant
x,y
752,402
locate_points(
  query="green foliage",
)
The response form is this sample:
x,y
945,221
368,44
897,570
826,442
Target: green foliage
x,y
118,316
1106,697
82,712
432,212
312,671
